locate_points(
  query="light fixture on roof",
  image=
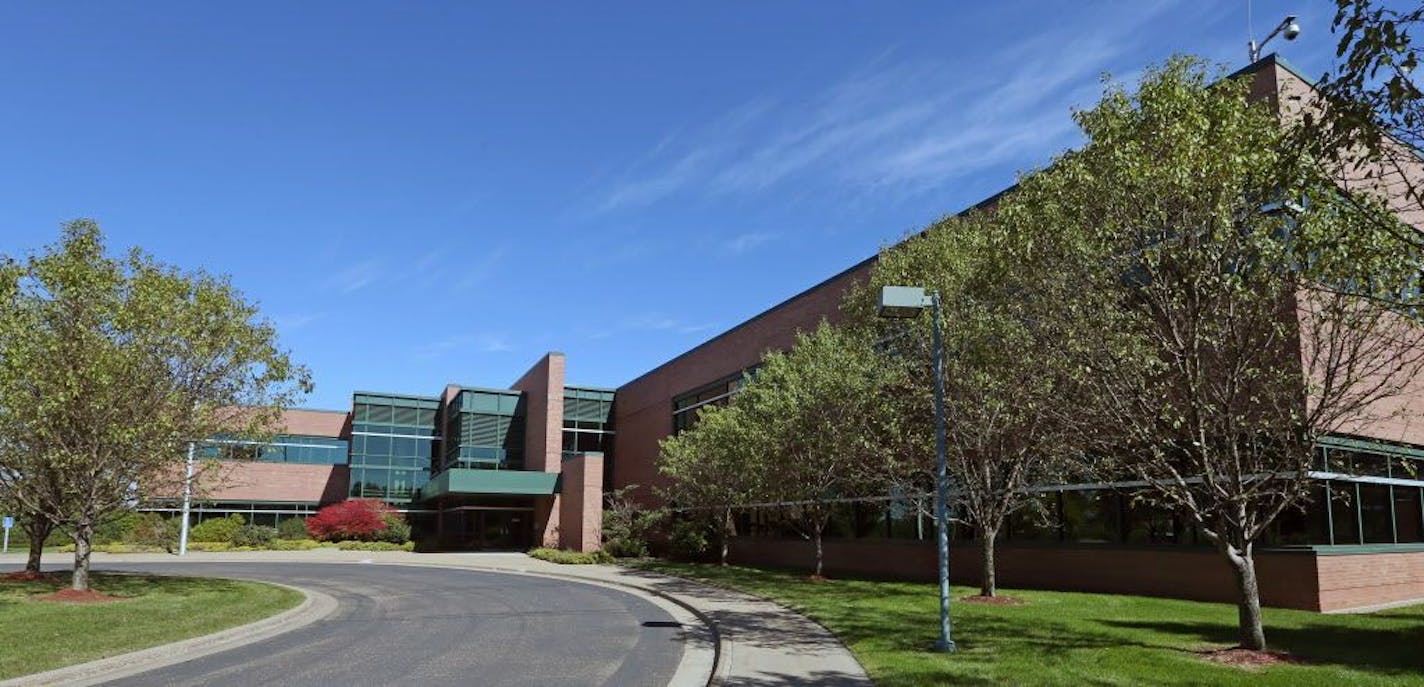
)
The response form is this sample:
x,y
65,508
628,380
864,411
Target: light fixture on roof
x,y
1288,28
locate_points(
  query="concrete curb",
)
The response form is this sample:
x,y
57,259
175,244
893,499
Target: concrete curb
x,y
315,606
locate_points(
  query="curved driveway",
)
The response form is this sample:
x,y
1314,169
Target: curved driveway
x,y
422,626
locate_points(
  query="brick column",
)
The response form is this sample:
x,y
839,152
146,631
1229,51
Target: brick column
x,y
581,503
543,387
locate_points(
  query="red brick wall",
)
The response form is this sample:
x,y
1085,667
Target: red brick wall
x,y
1288,579
643,412
581,503
543,386
257,481
1356,580
314,423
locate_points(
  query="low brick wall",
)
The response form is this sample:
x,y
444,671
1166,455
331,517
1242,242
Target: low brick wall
x,y
1356,580
1288,578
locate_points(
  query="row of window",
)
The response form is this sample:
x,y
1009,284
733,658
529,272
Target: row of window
x,y
720,392
1339,513
391,484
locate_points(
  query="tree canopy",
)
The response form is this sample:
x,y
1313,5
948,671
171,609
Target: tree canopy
x,y
110,366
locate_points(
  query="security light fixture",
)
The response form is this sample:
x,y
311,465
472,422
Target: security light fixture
x,y
902,302
1288,28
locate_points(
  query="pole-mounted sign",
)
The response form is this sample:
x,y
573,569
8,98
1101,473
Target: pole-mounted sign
x,y
8,523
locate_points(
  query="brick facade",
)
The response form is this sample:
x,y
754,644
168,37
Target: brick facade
x,y
581,503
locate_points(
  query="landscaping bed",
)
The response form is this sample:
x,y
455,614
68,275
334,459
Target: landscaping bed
x,y
1074,638
44,626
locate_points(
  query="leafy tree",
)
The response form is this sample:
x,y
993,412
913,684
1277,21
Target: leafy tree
x,y
1244,284
1013,308
110,366
715,468
822,416
1367,117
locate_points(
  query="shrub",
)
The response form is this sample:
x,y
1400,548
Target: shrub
x,y
152,529
397,529
375,546
688,540
626,523
563,557
625,548
217,529
255,536
294,544
292,528
357,520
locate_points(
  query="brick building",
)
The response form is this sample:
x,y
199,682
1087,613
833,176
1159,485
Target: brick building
x,y
479,468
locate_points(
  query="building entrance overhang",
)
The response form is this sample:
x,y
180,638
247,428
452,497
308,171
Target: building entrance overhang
x,y
457,481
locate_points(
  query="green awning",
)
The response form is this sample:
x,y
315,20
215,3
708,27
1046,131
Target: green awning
x,y
469,481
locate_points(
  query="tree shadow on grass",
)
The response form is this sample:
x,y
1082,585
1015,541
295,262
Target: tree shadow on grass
x,y
1386,651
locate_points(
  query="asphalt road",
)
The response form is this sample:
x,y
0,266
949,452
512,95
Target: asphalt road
x,y
399,625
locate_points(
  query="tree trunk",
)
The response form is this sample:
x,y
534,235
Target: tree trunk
x,y
820,553
1253,634
728,530
988,585
83,535
37,529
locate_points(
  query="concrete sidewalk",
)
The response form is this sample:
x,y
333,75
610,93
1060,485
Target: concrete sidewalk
x,y
758,642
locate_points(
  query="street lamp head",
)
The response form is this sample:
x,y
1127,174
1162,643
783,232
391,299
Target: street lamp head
x,y
1292,29
902,302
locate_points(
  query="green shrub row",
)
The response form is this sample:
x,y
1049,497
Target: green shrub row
x,y
352,545
563,557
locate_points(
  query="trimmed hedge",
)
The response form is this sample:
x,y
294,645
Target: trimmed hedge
x,y
563,557
374,546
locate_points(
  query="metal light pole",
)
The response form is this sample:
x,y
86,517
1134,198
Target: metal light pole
x,y
906,302
187,502
1288,28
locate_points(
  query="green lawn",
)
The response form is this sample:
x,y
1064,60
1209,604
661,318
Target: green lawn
x,y
40,635
1068,638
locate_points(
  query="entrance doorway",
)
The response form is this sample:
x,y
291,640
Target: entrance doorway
x,y
475,528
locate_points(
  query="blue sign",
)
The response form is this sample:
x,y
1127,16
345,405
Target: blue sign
x,y
9,522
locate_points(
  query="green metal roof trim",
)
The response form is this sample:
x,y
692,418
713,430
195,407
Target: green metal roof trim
x,y
471,481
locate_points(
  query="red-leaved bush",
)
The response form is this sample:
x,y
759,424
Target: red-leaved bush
x,y
358,519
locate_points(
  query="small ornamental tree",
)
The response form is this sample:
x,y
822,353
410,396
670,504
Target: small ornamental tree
x,y
110,366
357,519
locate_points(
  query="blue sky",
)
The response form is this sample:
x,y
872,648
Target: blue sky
x,y
422,193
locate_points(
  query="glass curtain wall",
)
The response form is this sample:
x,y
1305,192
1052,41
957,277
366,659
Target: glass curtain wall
x,y
393,441
484,429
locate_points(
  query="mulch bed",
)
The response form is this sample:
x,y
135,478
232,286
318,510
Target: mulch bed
x,y
77,597
1247,658
992,600
27,576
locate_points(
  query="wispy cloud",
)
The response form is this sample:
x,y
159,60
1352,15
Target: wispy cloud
x,y
742,243
291,321
464,343
650,323
356,276
895,125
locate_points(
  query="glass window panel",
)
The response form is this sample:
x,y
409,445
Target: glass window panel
x,y
1407,516
1342,513
403,446
1148,524
1371,465
1375,513
378,446
382,414
1090,516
